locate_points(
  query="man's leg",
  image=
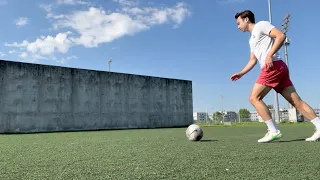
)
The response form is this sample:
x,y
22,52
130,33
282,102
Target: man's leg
x,y
291,95
259,91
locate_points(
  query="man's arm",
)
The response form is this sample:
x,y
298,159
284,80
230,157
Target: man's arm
x,y
252,62
279,40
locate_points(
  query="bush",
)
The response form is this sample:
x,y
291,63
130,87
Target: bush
x,y
287,122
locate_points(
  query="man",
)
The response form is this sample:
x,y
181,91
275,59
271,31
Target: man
x,y
264,43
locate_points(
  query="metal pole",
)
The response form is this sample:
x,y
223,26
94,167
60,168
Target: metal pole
x,y
276,100
286,54
285,26
286,43
109,62
222,108
206,114
287,62
270,14
239,113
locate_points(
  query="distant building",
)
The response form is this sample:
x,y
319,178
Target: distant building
x,y
290,114
254,116
230,116
316,110
200,116
284,114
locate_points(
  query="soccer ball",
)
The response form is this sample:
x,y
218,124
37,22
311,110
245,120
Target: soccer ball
x,y
194,132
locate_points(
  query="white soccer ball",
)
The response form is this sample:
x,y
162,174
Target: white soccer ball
x,y
194,132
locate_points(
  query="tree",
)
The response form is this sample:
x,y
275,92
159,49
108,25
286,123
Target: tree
x,y
270,106
244,114
217,116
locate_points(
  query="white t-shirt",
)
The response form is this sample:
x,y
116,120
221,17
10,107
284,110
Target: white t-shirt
x,y
261,43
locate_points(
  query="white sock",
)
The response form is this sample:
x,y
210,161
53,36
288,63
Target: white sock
x,y
316,122
271,126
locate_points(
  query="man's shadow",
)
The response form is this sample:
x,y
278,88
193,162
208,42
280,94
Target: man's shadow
x,y
294,140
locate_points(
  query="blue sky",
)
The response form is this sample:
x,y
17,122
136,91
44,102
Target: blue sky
x,y
195,40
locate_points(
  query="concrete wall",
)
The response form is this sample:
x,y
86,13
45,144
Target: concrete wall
x,y
41,98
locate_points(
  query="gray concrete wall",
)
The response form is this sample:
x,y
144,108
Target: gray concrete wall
x,y
41,98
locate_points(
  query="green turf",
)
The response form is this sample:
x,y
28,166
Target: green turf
x,y
224,153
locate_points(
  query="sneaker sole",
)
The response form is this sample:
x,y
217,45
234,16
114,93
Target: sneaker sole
x,y
277,138
312,140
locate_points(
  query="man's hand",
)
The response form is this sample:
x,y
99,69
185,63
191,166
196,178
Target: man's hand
x,y
268,63
252,62
279,40
280,37
236,76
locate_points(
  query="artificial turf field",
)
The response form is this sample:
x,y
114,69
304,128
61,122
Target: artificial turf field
x,y
230,152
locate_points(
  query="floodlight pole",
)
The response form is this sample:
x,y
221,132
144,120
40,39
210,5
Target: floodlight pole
x,y
221,96
109,62
285,27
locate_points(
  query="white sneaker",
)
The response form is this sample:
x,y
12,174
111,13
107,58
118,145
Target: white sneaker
x,y
314,137
270,136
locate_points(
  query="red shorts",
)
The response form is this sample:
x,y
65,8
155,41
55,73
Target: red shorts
x,y
277,77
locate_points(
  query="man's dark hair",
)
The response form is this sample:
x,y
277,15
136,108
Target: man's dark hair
x,y
244,14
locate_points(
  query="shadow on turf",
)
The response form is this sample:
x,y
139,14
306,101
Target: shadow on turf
x,y
294,140
208,140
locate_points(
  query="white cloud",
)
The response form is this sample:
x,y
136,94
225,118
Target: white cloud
x,y
21,21
152,16
48,9
64,60
95,26
15,44
34,57
31,57
23,55
126,2
72,2
11,51
46,45
2,54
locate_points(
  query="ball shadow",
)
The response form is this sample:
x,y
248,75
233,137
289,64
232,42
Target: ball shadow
x,y
208,140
